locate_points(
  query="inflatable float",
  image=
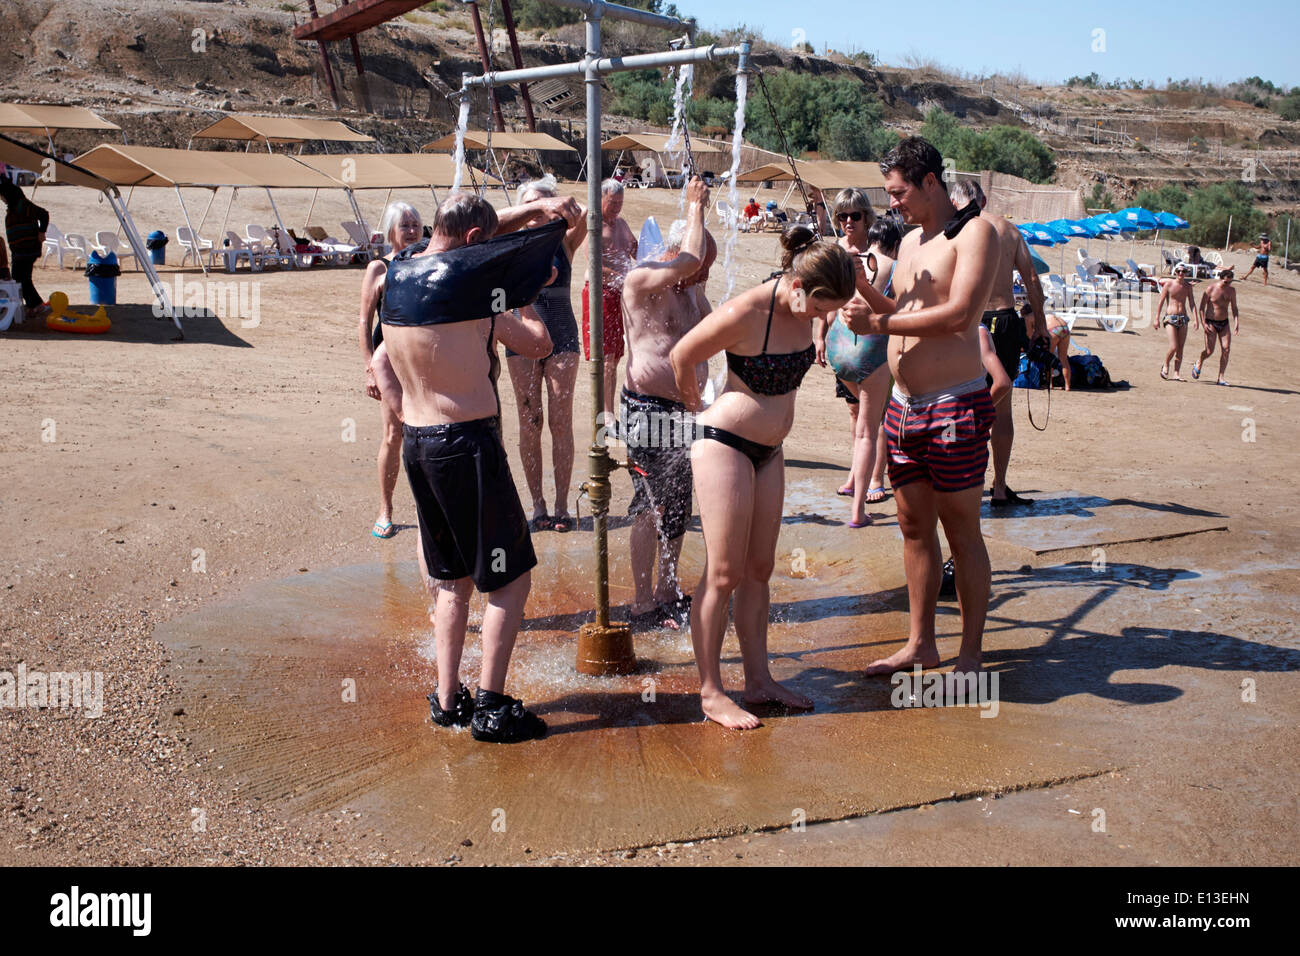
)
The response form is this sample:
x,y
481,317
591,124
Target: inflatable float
x,y
63,319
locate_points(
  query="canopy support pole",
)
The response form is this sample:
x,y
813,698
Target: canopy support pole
x,y
130,193
142,256
226,218
314,193
194,235
207,208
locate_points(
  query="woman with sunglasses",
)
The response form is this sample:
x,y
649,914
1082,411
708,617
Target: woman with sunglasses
x,y
860,362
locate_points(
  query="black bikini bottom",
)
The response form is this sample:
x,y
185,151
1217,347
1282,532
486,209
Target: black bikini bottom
x,y
759,455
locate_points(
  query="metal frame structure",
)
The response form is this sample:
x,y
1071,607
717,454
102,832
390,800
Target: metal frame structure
x,y
604,648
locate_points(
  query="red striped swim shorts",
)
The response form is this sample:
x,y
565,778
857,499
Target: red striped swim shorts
x,y
942,438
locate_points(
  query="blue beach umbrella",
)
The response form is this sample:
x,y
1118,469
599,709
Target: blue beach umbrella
x,y
1037,234
1171,222
1135,219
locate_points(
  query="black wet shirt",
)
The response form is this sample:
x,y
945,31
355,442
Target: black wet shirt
x,y
471,282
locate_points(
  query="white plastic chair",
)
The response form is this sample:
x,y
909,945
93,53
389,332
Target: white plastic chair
x,y
262,240
358,235
194,246
79,246
53,245
1113,323
236,248
106,242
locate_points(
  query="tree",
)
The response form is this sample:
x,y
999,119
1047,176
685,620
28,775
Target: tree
x,y
1168,198
1003,149
1209,208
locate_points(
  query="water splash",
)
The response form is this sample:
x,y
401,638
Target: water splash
x,y
458,157
733,191
676,145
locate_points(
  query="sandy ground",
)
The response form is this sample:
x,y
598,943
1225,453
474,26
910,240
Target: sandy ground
x,y
147,479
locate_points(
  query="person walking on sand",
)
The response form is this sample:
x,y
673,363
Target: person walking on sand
x,y
662,301
1180,298
1264,249
617,253
441,335
736,458
1006,326
941,413
25,225
1218,300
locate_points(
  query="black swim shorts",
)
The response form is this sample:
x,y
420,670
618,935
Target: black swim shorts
x,y
659,432
471,522
1007,330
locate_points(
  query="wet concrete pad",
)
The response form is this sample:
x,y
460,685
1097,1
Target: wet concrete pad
x,y
628,762
1071,519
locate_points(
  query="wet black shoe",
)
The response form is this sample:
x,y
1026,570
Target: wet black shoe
x,y
948,586
462,709
500,719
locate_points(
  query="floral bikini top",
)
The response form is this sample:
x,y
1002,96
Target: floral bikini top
x,y
766,374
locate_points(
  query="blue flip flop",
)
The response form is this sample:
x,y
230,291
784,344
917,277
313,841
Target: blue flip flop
x,y
383,530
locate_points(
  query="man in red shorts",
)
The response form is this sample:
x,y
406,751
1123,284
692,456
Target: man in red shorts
x,y
618,252
938,421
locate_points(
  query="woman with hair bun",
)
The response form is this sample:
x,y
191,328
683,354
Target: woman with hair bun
x,y
736,458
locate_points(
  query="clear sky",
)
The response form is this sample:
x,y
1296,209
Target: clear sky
x,y
1048,42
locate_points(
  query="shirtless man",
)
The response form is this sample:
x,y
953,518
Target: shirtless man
x,y
663,300
440,335
1265,248
939,418
1007,328
1217,301
1180,297
617,253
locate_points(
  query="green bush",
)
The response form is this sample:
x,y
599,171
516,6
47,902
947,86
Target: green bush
x,y
1209,208
1004,149
1288,107
833,116
1101,198
1168,198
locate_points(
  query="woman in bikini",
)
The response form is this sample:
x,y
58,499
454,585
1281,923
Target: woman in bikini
x,y
401,226
861,362
559,371
736,458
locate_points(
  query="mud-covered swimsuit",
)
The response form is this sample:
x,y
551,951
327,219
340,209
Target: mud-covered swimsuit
x,y
763,374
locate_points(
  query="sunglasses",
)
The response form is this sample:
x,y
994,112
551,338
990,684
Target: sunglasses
x,y
849,216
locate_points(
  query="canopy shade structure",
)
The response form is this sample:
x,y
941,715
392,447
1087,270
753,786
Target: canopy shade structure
x,y
389,170
29,117
70,174
157,166
479,139
824,174
655,142
281,129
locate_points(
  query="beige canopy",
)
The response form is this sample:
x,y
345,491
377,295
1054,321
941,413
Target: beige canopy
x,y
281,129
28,117
157,166
70,174
824,174
479,139
389,170
655,142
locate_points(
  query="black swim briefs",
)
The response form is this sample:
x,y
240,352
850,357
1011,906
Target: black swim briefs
x,y
1007,330
471,522
659,432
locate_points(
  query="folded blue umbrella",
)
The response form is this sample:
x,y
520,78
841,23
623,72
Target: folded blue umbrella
x,y
1069,228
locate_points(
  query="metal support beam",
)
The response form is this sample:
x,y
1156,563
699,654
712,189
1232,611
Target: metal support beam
x,y
325,59
519,65
487,64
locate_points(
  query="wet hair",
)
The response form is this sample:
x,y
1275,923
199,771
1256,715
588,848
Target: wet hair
x,y
461,212
543,188
914,158
965,191
393,216
854,199
886,232
823,266
611,187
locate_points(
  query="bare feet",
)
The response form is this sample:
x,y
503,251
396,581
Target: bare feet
x,y
967,665
904,660
721,709
770,692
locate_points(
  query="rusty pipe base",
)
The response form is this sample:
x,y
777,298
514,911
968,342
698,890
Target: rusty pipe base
x,y
605,651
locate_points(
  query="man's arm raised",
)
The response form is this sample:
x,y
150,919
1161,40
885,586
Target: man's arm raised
x,y
650,277
514,218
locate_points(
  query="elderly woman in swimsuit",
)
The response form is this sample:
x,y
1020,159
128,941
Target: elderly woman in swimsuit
x,y
861,362
559,372
736,457
401,226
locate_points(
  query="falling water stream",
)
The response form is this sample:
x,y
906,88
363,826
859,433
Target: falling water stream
x,y
733,191
458,157
676,145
